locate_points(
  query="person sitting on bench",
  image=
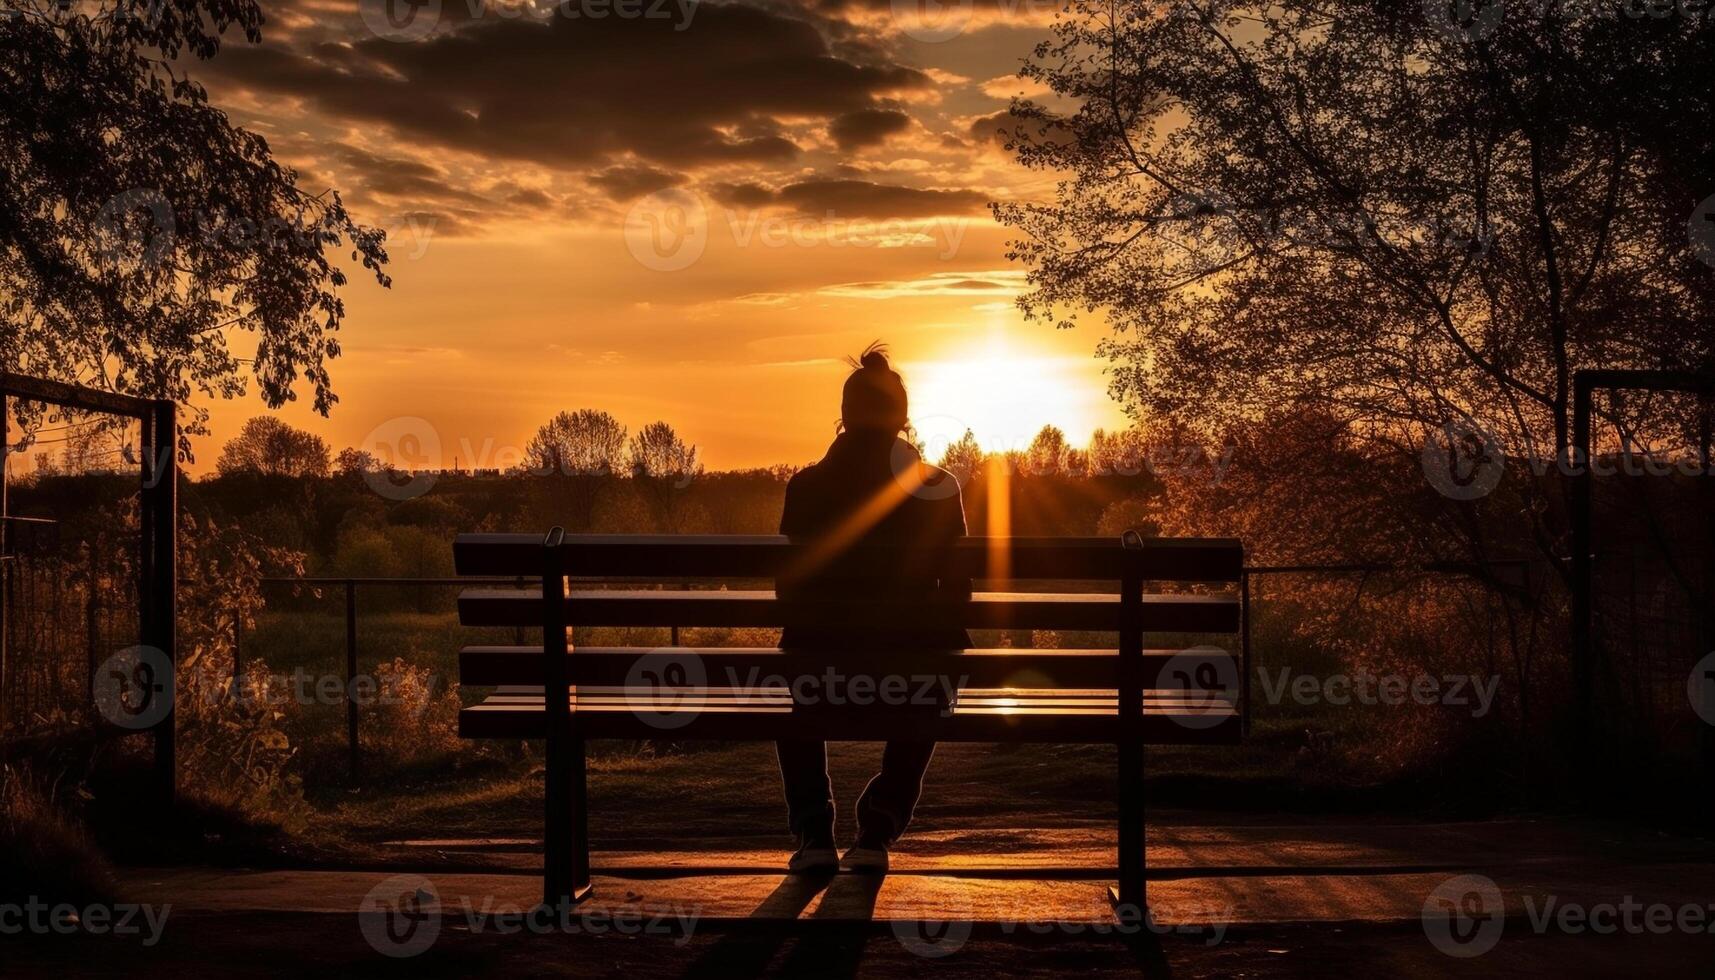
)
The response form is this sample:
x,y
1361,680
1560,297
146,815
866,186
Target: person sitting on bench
x,y
872,488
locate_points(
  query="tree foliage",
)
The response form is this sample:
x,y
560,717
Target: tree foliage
x,y
140,230
1389,219
964,458
587,442
657,452
269,446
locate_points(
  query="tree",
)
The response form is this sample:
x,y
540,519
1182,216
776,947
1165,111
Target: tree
x,y
269,446
352,461
586,442
657,452
1047,453
1378,215
139,228
964,458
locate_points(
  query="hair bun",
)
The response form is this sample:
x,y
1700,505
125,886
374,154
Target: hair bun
x,y
875,358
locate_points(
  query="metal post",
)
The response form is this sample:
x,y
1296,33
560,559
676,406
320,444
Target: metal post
x,y
565,835
1129,897
160,533
1245,651
351,679
5,553
1583,625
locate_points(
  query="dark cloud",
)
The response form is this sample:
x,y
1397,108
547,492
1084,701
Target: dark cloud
x,y
867,127
852,199
628,183
577,91
862,199
744,194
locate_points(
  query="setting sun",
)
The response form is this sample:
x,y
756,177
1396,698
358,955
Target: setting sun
x,y
1004,395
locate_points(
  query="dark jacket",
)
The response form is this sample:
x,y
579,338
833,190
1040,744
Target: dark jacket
x,y
872,488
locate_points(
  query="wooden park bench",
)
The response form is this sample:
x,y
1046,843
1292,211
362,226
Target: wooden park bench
x,y
1128,695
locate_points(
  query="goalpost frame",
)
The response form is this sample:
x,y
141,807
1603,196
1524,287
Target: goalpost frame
x,y
158,524
1585,649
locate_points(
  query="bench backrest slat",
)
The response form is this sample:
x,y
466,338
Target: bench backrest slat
x,y
765,556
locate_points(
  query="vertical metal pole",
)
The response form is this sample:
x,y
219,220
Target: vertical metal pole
x,y
565,841
1583,625
1705,633
161,531
5,552
351,679
1244,652
1130,897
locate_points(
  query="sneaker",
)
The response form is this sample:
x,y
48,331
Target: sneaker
x,y
815,854
866,855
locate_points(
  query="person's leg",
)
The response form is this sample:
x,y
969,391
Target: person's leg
x,y
809,791
885,808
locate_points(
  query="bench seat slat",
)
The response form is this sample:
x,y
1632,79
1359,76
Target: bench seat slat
x,y
485,666
987,610
1040,716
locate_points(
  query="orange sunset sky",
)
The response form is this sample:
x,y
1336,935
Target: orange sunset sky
x,y
689,216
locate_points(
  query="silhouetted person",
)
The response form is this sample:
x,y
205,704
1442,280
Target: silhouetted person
x,y
871,488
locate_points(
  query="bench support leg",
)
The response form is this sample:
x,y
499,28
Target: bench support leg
x,y
1129,897
566,850
565,828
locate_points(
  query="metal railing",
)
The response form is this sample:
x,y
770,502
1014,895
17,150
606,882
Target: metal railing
x,y
348,586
